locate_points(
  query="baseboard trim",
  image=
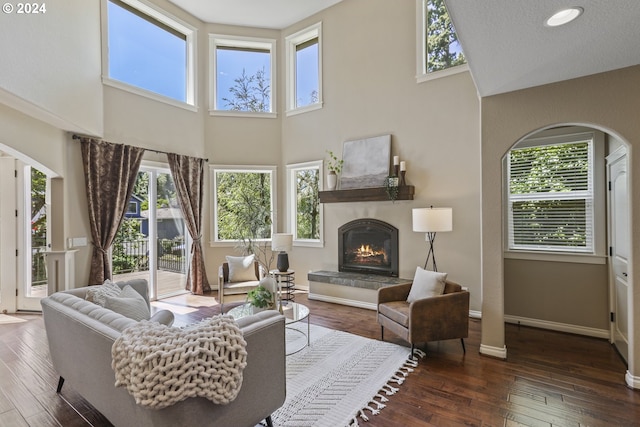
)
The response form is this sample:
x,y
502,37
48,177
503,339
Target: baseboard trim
x,y
343,301
560,327
632,381
500,353
475,314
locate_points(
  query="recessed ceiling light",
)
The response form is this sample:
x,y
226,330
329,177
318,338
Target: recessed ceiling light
x,y
564,16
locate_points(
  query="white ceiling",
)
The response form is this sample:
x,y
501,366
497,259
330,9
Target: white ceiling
x,y
277,14
508,47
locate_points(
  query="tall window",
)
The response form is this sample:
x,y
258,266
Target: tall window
x,y
304,70
305,210
242,70
149,52
438,46
551,196
244,203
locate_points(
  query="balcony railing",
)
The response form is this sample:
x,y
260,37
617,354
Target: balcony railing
x,y
133,255
39,265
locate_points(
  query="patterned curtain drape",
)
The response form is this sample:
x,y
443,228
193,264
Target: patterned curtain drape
x,y
188,176
110,173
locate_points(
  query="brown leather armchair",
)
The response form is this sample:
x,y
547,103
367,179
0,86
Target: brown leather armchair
x,y
234,288
437,318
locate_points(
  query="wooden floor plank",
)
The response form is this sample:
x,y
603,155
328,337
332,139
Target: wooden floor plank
x,y
550,379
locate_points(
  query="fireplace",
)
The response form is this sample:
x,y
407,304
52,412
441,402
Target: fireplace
x,y
368,246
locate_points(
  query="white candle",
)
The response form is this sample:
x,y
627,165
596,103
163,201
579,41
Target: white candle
x,y
403,165
396,160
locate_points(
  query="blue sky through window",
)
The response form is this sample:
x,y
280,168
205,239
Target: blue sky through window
x,y
307,75
230,64
145,55
148,54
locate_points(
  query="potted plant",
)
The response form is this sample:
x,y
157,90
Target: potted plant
x,y
334,166
260,298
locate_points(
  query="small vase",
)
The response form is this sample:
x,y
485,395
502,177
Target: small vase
x,y
332,180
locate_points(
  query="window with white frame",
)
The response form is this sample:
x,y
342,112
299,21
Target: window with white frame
x,y
438,52
244,200
242,72
304,70
149,52
551,195
305,211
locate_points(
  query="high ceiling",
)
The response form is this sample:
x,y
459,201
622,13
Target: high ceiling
x,y
507,45
276,14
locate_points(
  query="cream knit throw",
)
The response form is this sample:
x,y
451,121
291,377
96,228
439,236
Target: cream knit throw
x,y
161,365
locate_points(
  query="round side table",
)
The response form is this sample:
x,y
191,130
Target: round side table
x,y
286,283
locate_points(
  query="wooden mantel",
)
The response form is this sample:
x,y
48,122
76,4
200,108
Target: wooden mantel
x,y
375,194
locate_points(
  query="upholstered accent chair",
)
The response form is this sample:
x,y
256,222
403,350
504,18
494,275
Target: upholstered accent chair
x,y
228,286
436,318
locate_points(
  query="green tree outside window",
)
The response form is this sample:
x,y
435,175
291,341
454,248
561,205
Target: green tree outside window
x,y
443,48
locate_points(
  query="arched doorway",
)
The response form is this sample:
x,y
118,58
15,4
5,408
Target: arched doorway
x,y
557,269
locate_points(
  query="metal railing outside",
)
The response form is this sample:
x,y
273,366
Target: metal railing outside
x,y
133,255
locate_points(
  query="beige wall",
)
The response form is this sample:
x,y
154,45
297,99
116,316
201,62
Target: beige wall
x,y
50,67
370,89
609,102
557,294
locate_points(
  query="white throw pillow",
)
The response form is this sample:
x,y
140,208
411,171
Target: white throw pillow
x,y
241,268
130,304
98,294
426,284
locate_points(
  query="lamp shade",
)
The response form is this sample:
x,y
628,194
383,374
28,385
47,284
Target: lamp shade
x,y
432,220
281,242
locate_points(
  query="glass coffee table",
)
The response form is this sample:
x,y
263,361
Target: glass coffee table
x,y
293,313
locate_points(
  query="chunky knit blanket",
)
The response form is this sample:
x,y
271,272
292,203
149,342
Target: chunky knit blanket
x,y
161,365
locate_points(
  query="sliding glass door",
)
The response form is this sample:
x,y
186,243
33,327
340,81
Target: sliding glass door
x,y
153,242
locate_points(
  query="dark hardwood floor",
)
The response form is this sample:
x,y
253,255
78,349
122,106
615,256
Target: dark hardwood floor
x,y
549,379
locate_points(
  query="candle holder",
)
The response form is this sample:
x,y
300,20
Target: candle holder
x,y
396,168
403,182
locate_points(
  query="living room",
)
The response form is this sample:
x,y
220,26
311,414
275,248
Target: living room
x,y
452,137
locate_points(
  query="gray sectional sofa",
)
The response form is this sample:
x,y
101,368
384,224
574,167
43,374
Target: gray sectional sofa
x,y
81,335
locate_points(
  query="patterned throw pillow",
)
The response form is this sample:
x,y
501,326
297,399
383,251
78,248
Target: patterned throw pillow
x,y
241,268
129,303
98,294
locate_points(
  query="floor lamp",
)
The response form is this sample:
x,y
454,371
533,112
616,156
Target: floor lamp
x,y
430,221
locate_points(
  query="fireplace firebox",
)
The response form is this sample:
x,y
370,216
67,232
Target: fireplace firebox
x,y
368,246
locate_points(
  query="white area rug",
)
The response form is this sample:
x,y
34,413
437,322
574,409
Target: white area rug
x,y
341,379
10,319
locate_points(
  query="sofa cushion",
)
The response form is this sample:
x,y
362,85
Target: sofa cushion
x,y
426,284
129,303
98,294
241,268
398,311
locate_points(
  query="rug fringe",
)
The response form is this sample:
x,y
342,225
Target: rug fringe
x,y
419,352
388,389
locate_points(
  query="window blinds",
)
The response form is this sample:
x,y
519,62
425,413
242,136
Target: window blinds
x,y
551,197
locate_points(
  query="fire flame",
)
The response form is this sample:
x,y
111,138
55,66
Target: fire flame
x,y
365,251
